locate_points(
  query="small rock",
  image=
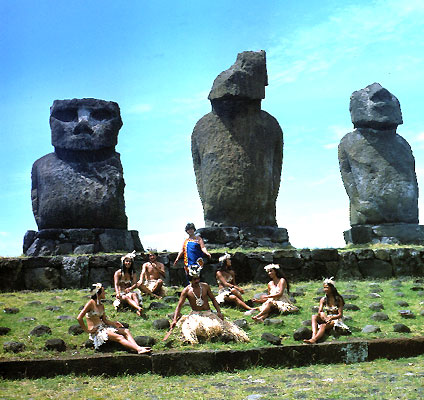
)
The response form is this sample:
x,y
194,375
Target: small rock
x,y
371,329
40,330
53,308
68,301
399,294
11,310
4,330
273,321
170,299
351,307
242,323
401,328
145,341
64,317
374,295
34,303
320,291
270,338
55,344
422,313
407,314
154,305
317,298
376,306
75,330
380,316
350,296
347,318
396,283
402,303
420,293
259,295
307,322
302,333
14,347
417,288
161,323
315,309
297,293
27,319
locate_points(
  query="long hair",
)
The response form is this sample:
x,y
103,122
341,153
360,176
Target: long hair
x,y
130,269
223,266
94,296
280,274
337,296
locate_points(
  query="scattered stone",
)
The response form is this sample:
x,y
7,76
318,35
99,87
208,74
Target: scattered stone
x,y
420,293
317,298
145,341
54,298
374,295
161,323
417,288
53,308
68,301
371,329
401,328
257,296
14,347
402,303
376,306
422,313
351,307
4,330
242,323
270,338
380,316
400,294
11,310
40,330
396,283
64,317
55,344
154,305
320,291
170,299
419,280
27,319
75,330
350,296
34,303
297,293
308,322
314,309
347,318
302,333
406,314
273,321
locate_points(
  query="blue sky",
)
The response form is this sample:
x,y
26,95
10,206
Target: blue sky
x,y
158,59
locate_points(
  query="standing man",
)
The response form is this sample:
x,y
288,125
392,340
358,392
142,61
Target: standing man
x,y
153,274
193,249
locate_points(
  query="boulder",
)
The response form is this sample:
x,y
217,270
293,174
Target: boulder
x,y
40,330
161,323
55,344
4,330
270,338
401,328
370,329
75,330
376,306
145,341
302,333
13,347
380,316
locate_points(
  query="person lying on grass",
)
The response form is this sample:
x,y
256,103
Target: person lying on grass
x,y
277,298
330,313
202,322
100,329
228,291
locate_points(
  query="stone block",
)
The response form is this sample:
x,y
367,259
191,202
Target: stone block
x,y
42,278
375,268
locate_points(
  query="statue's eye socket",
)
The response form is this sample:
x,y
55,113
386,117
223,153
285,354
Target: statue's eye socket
x,y
66,115
101,114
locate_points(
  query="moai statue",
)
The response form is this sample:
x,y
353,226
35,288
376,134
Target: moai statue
x,y
378,171
78,190
237,154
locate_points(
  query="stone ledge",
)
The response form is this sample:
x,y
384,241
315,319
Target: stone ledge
x,y
207,361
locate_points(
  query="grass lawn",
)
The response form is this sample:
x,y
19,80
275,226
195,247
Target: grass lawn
x,y
381,379
33,312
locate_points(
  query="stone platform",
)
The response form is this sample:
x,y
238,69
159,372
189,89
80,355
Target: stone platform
x,y
247,237
385,233
51,242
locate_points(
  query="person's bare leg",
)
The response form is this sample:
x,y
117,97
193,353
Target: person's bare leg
x,y
116,337
235,299
132,303
145,289
320,333
157,287
314,324
264,313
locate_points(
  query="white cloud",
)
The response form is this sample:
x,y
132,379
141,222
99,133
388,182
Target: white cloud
x,y
331,146
140,108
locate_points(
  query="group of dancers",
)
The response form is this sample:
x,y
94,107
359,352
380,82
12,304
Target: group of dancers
x,y
201,322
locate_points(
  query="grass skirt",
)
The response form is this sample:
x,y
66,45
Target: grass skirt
x,y
206,325
283,307
101,336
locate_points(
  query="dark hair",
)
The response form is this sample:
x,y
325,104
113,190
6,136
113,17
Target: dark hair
x,y
223,265
130,269
190,225
337,296
280,274
94,296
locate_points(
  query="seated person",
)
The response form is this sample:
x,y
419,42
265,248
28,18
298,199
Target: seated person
x,y
330,313
277,298
202,322
152,274
100,329
228,291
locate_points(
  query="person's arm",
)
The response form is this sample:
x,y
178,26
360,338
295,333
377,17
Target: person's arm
x,y
222,280
161,268
234,284
214,302
116,324
339,315
116,277
281,285
179,255
203,247
88,307
321,305
177,312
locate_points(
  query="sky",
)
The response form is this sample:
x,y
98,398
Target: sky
x,y
158,60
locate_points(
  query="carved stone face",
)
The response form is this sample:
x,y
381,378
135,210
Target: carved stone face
x,y
84,124
375,107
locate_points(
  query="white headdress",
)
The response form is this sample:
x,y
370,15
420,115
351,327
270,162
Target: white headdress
x,y
226,256
268,267
194,270
129,255
96,288
329,280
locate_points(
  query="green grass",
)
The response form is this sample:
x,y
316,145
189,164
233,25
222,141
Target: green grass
x,y
381,379
34,345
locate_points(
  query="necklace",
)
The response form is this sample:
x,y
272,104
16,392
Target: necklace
x,y
199,300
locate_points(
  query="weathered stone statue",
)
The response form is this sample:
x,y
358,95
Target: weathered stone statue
x,y
378,171
237,154
78,191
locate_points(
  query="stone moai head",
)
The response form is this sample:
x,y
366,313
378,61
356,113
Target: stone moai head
x,y
245,79
375,107
84,124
